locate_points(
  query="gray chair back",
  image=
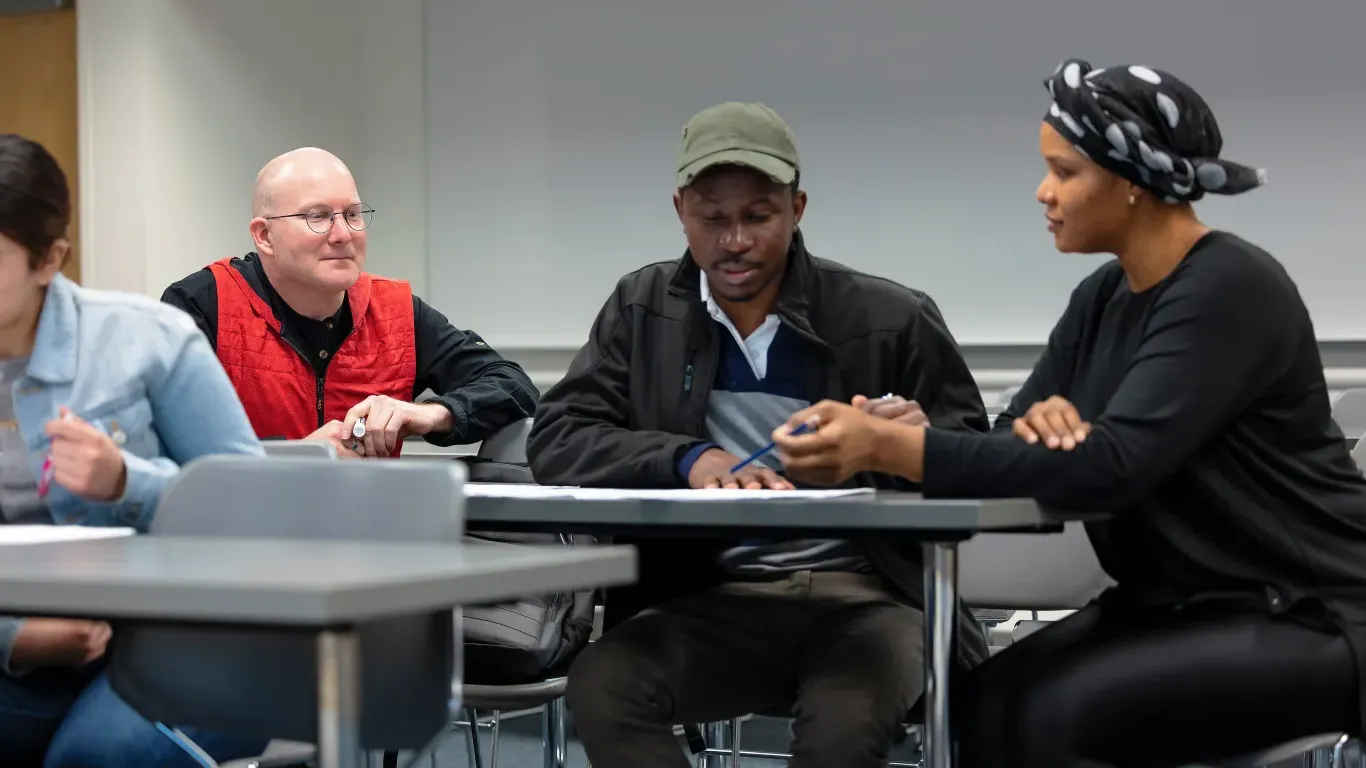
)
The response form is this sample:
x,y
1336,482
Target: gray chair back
x,y
263,682
502,456
1058,572
1349,411
507,444
1000,403
304,449
1359,454
1004,397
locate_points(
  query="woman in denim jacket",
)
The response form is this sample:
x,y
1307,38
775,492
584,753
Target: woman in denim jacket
x,y
102,397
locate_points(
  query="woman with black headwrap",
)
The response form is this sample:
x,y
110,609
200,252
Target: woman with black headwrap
x,y
1182,391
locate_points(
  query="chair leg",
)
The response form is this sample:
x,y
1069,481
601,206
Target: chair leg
x,y
1338,761
476,752
471,743
1339,750
735,743
493,753
717,736
554,736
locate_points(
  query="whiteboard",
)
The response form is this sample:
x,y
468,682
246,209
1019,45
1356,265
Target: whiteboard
x,y
551,131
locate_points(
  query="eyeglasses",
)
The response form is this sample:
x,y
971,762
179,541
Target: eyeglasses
x,y
319,217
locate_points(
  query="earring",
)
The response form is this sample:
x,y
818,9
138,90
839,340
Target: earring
x,y
1133,199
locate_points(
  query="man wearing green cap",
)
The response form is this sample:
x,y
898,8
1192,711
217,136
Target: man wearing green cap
x,y
689,367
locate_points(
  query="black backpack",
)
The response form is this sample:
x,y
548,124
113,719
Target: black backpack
x,y
532,638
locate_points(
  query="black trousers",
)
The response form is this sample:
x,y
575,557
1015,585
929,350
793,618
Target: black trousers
x,y
835,649
1164,687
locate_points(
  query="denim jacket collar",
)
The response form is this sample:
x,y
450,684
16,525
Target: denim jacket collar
x,y
53,360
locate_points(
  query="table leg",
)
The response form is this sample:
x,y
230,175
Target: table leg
x,y
339,700
941,614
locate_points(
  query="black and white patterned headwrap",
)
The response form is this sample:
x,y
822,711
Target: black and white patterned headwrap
x,y
1148,127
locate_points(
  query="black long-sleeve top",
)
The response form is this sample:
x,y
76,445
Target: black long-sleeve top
x,y
1212,437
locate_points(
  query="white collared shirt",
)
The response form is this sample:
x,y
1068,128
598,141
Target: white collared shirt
x,y
756,346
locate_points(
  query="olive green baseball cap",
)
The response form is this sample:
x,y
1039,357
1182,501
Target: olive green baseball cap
x,y
735,133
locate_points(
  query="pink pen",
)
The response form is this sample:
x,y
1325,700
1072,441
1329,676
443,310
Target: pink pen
x,y
45,477
45,481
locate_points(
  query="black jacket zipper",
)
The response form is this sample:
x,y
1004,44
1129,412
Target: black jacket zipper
x,y
696,391
318,388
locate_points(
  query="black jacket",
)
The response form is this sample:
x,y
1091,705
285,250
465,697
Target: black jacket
x,y
634,399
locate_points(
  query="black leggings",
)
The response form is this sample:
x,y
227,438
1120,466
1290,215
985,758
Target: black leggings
x,y
1157,688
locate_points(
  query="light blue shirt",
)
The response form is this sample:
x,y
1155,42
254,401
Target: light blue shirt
x,y
142,372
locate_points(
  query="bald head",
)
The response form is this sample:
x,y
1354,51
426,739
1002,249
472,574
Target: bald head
x,y
291,179
310,262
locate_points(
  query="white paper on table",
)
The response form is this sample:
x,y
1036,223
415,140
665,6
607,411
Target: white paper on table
x,y
520,491
47,534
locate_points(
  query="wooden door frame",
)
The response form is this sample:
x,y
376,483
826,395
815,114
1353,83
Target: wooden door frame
x,y
66,143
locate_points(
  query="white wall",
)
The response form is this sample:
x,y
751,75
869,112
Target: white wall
x,y
552,129
182,102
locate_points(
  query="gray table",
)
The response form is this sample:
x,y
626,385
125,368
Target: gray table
x,y
876,514
939,525
326,586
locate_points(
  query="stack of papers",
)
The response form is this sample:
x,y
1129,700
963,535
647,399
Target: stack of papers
x,y
48,534
517,491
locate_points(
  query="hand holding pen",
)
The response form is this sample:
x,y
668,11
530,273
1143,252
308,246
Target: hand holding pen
x,y
800,429
890,407
82,459
849,440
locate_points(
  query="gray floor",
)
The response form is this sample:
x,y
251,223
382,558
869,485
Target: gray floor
x,y
520,745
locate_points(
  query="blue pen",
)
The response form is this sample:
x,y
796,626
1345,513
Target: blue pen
x,y
800,430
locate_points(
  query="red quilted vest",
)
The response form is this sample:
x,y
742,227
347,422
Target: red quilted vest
x,y
282,395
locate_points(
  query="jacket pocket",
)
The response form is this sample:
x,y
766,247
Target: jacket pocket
x,y
129,425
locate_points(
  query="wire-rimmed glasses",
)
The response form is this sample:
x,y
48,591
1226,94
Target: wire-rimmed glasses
x,y
319,217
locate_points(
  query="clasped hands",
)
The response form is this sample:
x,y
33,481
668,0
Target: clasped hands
x,y
851,438
387,421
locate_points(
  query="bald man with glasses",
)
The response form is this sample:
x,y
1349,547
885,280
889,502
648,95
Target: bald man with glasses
x,y
313,343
